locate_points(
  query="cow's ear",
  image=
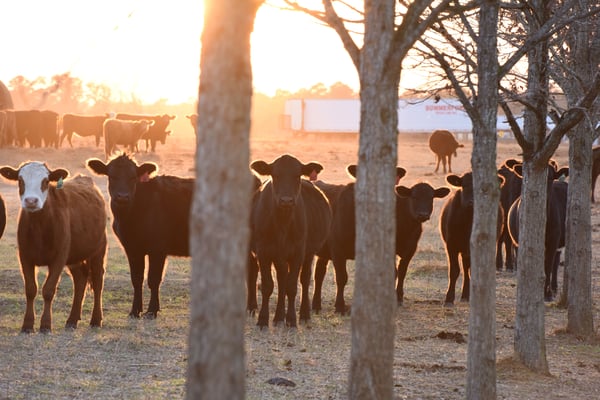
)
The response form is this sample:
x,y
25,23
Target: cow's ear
x,y
310,168
511,162
58,174
403,191
400,172
146,168
97,166
564,171
454,180
351,169
501,180
518,170
261,167
441,192
10,173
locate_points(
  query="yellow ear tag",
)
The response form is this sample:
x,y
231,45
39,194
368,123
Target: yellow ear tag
x,y
59,183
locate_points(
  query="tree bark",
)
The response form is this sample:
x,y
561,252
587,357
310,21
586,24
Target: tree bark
x,y
481,360
371,363
218,241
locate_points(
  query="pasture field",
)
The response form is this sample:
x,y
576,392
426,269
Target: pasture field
x,y
146,359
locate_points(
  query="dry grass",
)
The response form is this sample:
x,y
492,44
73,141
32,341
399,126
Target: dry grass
x,y
146,359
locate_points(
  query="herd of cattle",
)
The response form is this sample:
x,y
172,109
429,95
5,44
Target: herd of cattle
x,y
295,219
38,128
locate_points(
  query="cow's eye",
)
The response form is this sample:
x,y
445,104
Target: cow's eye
x,y
21,186
44,184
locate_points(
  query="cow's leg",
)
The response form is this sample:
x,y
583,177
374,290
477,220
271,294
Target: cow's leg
x,y
305,275
97,140
136,269
550,256
48,292
156,269
400,276
251,276
450,163
79,274
266,288
453,273
341,279
97,270
437,162
30,280
466,262
444,162
281,272
320,271
554,278
291,289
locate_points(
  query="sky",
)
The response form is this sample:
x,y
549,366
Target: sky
x,y
151,50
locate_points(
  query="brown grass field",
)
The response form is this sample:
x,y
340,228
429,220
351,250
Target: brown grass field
x,y
146,359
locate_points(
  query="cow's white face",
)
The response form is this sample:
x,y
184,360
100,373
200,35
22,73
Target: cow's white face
x,y
33,186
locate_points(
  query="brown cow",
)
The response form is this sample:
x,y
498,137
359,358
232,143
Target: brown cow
x,y
83,125
126,133
157,133
443,144
49,132
60,223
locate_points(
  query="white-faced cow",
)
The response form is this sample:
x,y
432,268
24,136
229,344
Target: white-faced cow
x,y
61,222
126,133
443,144
150,218
291,219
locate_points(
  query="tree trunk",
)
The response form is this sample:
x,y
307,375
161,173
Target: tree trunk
x,y
530,344
374,302
481,361
578,251
218,241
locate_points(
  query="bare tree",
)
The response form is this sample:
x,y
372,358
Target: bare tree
x,y
219,244
575,59
379,64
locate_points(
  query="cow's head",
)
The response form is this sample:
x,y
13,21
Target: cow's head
x,y
420,199
285,172
123,177
465,185
34,179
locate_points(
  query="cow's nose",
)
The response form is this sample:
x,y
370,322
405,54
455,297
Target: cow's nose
x,y
30,202
286,201
121,197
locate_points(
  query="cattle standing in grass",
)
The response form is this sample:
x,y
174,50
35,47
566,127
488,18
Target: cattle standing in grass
x,y
82,125
456,221
150,218
556,210
290,222
126,133
444,145
60,223
157,133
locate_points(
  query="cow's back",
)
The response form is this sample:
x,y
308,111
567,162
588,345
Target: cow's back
x,y
455,223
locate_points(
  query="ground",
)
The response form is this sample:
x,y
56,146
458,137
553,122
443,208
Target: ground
x,y
146,359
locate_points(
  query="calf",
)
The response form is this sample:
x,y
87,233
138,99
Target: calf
x,y
82,125
556,210
456,221
126,133
150,218
291,219
60,223
443,144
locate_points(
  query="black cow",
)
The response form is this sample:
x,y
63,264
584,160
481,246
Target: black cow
x,y
150,218
556,204
456,221
291,219
595,169
29,127
49,133
510,191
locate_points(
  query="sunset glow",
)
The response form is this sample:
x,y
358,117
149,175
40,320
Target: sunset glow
x,y
151,51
